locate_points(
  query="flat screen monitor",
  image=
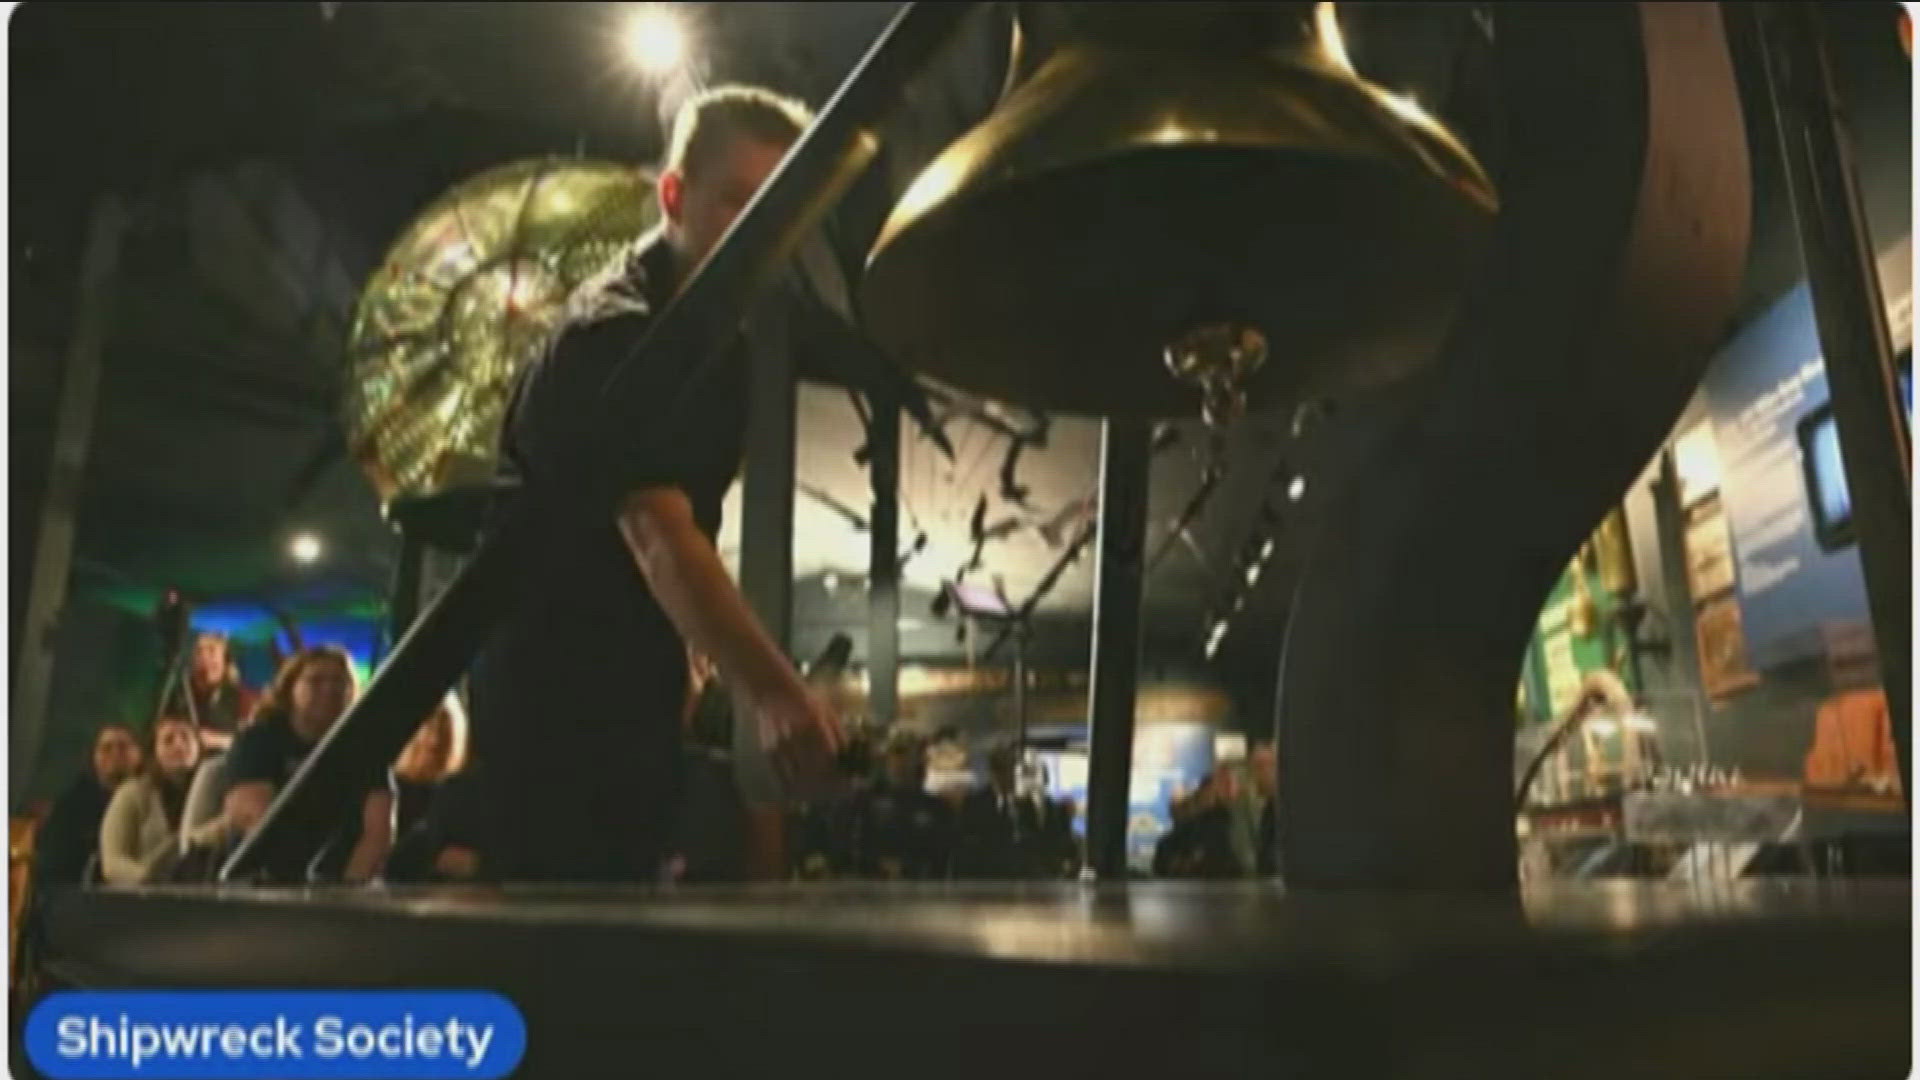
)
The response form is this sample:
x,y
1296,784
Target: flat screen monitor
x,y
1826,479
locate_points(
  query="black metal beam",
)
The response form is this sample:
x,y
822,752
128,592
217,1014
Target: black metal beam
x,y
669,360
883,557
403,606
1676,596
60,500
1848,306
767,483
1125,447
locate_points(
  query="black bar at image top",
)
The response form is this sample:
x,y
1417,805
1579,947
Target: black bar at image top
x,y
839,143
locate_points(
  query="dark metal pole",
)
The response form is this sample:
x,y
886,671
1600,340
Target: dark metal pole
x,y
766,519
676,349
1847,303
1020,688
1124,451
404,604
883,571
60,503
766,486
1670,527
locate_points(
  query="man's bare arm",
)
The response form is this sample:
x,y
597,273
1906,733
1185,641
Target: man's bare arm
x,y
691,584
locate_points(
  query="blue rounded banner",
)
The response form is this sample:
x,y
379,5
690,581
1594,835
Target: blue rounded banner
x,y
275,1035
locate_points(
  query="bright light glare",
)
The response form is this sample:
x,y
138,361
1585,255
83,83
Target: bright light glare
x,y
656,42
1215,637
1335,44
305,548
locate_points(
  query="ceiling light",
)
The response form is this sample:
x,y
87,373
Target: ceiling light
x,y
305,548
655,40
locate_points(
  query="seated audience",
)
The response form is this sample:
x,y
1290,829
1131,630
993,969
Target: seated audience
x,y
1263,767
140,833
65,849
212,696
1225,829
900,831
310,694
426,765
822,834
1007,834
437,750
1201,842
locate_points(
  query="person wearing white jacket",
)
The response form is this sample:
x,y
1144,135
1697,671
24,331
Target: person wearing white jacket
x,y
140,832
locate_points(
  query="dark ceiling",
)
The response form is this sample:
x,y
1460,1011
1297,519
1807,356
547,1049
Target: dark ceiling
x,y
270,151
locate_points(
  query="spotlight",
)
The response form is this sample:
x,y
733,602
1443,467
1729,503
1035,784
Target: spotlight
x,y
305,548
1297,489
655,40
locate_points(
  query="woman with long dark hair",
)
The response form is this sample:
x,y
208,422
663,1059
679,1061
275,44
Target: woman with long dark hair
x,y
140,832
210,693
312,691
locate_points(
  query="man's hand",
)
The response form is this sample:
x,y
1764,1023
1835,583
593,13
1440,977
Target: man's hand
x,y
791,726
797,733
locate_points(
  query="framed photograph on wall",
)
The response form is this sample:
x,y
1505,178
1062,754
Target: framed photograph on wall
x,y
1709,550
1562,671
1723,648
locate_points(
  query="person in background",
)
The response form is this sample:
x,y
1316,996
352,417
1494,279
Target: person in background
x,y
70,839
1201,843
998,827
1263,770
140,832
1853,743
212,695
823,832
426,766
436,752
207,794
900,830
311,693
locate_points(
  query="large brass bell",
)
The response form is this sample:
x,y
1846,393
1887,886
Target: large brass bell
x,y
1176,204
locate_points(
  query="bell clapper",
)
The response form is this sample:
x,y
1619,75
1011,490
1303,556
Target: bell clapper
x,y
1220,359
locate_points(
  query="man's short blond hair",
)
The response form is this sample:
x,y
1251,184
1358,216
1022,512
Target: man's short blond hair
x,y
713,118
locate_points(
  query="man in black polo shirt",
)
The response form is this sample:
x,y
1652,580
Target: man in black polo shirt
x,y
577,696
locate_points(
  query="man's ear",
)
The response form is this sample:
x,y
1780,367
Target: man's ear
x,y
673,190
